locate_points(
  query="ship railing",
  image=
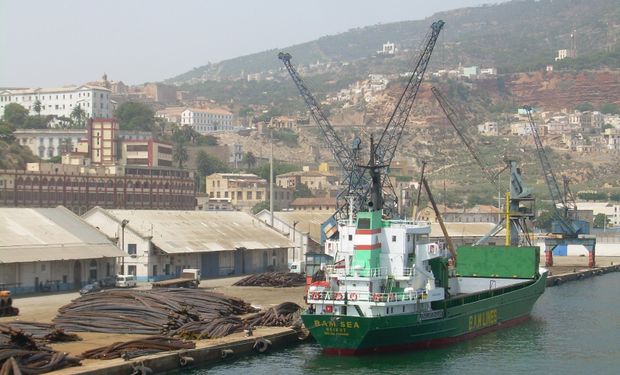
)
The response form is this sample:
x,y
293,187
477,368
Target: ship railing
x,y
422,223
335,270
354,296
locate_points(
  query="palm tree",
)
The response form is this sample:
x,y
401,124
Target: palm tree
x,y
37,107
77,117
179,153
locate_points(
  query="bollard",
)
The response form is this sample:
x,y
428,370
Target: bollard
x,y
591,259
548,258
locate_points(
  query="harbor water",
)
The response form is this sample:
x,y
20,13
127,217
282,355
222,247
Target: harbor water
x,y
575,329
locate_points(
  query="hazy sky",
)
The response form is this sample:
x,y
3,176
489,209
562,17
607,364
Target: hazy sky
x,y
47,43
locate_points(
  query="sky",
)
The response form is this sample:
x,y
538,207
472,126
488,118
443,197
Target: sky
x,y
48,43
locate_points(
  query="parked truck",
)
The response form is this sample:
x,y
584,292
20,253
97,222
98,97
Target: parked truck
x,y
190,278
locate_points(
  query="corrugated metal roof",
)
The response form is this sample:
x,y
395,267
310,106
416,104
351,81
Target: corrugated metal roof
x,y
53,253
43,234
201,231
307,221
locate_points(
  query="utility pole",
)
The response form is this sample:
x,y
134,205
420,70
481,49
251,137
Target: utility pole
x,y
123,225
271,175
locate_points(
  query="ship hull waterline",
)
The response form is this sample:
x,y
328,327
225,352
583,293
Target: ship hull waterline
x,y
346,335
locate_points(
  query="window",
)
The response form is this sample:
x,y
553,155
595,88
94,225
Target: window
x,y
393,238
350,237
249,195
132,249
131,270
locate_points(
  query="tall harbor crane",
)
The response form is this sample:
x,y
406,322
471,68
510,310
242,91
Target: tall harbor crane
x,y
356,179
566,229
347,158
520,197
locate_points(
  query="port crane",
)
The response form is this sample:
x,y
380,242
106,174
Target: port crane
x,y
356,180
520,199
566,229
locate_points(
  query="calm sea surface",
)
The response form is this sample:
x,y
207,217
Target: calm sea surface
x,y
575,329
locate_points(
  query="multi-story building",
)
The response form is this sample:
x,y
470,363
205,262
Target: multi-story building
x,y
612,138
80,188
315,181
94,101
48,143
102,136
592,120
146,153
245,190
208,120
283,122
171,114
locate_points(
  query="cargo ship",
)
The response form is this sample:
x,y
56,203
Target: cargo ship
x,y
392,289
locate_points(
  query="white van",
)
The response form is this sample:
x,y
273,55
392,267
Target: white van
x,y
125,281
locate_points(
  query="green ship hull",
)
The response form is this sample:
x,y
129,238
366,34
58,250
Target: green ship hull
x,y
454,319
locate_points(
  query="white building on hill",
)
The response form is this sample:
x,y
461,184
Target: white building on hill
x,y
94,100
208,120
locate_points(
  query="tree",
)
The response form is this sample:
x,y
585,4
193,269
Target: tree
x,y
179,152
601,221
302,191
544,219
614,197
264,205
207,165
592,196
78,117
6,132
37,107
609,108
584,107
135,116
249,159
15,115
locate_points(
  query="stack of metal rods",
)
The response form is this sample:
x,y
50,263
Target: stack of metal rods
x,y
273,279
209,329
135,348
148,312
42,332
282,315
20,354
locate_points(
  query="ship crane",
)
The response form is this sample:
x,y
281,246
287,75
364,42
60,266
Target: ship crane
x,y
346,158
520,198
566,230
356,179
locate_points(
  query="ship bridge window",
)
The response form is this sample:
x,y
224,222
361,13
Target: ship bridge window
x,y
363,223
350,237
393,238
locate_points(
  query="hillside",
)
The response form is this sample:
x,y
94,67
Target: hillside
x,y
511,36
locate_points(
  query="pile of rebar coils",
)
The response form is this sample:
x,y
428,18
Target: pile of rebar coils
x,y
136,348
21,353
151,312
273,279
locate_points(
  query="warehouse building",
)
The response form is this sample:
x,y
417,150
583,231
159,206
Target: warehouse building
x,y
160,244
51,249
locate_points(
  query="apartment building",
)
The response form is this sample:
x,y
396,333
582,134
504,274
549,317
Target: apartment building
x,y
208,120
245,190
95,101
148,153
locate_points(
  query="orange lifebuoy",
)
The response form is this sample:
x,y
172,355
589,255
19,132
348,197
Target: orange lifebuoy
x,y
338,296
353,296
376,297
